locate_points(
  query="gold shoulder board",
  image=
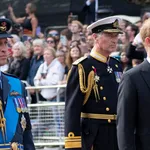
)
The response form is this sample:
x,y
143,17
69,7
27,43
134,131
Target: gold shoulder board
x,y
79,60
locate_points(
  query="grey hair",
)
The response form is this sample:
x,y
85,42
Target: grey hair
x,y
16,37
39,42
21,46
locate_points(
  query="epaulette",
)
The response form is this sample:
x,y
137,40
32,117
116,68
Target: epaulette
x,y
115,58
7,74
80,60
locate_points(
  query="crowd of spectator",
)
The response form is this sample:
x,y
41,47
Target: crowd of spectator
x,y
44,60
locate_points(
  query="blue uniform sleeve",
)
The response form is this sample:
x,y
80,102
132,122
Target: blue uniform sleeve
x,y
28,140
27,135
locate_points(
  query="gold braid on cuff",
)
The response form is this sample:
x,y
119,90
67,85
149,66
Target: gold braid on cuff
x,y
72,141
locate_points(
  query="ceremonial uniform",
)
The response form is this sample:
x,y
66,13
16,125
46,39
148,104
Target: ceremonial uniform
x,y
15,126
97,100
91,99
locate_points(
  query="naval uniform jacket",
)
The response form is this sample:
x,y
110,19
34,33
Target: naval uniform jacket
x,y
23,137
133,123
107,73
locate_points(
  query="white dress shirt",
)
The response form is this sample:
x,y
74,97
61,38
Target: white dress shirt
x,y
148,59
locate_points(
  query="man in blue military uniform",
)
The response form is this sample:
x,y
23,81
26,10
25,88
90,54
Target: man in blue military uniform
x,y
15,126
91,93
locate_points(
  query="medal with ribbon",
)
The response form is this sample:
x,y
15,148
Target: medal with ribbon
x,y
21,104
24,105
118,76
16,102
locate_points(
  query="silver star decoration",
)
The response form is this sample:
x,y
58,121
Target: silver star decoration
x,y
96,78
109,69
23,122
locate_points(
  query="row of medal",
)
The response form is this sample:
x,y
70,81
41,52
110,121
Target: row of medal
x,y
20,104
21,107
118,75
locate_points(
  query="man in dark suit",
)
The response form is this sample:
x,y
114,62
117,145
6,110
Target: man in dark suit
x,y
133,124
15,126
91,93
87,14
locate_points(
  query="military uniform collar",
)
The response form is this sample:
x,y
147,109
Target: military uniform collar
x,y
98,56
5,86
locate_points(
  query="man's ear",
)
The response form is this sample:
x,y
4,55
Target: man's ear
x,y
94,35
147,41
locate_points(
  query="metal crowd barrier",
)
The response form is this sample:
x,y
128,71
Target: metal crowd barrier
x,y
37,88
47,119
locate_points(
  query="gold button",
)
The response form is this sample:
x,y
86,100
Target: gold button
x,y
116,65
101,87
104,98
107,109
109,121
70,134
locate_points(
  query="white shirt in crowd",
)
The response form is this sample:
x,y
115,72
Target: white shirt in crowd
x,y
4,68
55,72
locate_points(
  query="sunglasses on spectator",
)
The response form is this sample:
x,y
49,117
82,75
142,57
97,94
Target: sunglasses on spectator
x,y
53,34
50,41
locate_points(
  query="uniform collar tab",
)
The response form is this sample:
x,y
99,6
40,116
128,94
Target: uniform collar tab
x,y
98,56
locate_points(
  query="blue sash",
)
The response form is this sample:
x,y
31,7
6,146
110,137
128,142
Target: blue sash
x,y
11,113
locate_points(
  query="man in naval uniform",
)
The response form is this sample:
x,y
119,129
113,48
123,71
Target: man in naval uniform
x,y
15,126
91,93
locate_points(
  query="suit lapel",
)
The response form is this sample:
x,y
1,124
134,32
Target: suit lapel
x,y
5,87
145,72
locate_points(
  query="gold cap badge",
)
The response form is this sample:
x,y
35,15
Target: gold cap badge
x,y
116,24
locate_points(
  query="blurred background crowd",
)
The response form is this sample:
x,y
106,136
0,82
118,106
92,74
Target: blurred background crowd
x,y
44,58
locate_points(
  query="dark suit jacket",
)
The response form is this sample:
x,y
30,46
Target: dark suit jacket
x,y
87,14
25,137
133,110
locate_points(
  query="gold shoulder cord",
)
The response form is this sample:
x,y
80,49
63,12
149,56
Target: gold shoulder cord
x,y
96,92
82,80
2,123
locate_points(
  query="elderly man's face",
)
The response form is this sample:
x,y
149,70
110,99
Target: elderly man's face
x,y
3,51
107,42
38,49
